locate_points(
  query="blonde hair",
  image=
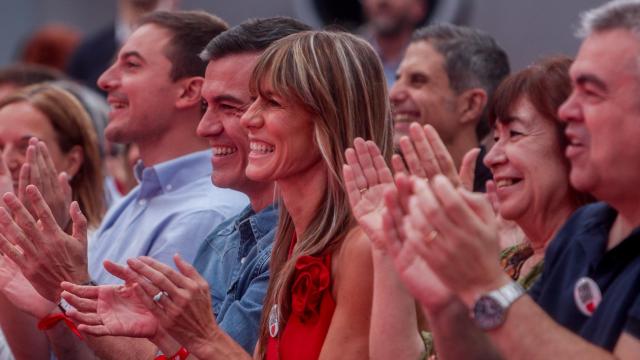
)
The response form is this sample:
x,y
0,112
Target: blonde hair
x,y
339,78
72,127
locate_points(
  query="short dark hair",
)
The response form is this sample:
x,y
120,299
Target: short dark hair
x,y
21,75
251,36
191,31
546,85
472,58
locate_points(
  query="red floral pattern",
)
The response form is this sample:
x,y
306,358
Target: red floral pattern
x,y
312,279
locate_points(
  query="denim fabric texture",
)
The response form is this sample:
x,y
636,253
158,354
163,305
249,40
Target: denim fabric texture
x,y
235,261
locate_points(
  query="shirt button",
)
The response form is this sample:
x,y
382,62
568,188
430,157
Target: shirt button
x,y
243,260
142,202
169,187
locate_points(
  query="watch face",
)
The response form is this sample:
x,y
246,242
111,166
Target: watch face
x,y
488,313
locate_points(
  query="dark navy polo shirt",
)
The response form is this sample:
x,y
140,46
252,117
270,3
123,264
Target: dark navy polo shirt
x,y
579,250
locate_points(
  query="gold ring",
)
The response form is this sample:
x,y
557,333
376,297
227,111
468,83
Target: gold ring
x,y
432,235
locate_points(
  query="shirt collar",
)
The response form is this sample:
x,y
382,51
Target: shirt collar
x,y
173,174
262,223
594,235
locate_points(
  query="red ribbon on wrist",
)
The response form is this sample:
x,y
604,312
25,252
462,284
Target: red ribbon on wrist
x,y
52,320
182,354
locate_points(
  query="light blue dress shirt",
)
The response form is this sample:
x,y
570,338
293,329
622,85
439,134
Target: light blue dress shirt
x,y
172,210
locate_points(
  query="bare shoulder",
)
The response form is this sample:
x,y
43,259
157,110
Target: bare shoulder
x,y
353,264
348,335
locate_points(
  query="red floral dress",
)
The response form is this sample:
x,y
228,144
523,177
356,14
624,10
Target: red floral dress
x,y
312,308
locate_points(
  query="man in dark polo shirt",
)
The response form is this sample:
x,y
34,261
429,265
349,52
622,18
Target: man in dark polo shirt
x,y
587,302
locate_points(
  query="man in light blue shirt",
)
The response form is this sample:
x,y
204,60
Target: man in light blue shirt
x,y
168,213
174,206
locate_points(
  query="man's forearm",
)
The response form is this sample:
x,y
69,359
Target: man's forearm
x,y
456,336
122,348
527,326
66,344
21,333
219,345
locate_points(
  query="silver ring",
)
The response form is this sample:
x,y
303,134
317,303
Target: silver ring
x,y
159,295
432,235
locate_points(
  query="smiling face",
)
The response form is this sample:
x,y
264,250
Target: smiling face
x,y
226,91
528,168
140,91
603,116
18,123
422,93
281,137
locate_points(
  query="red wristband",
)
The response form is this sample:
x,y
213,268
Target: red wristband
x,y
52,320
182,354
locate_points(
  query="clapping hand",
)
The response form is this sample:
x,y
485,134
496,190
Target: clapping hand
x,y
181,301
40,171
366,177
426,155
19,291
112,310
403,244
458,233
45,253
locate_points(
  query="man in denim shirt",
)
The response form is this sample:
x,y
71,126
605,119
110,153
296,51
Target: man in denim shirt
x,y
235,256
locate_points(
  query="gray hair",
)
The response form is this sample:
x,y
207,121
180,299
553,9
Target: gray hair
x,y
472,59
618,14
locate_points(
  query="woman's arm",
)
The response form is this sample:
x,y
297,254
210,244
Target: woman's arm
x,y
348,335
21,333
394,321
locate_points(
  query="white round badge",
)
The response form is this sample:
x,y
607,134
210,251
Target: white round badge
x,y
587,295
274,318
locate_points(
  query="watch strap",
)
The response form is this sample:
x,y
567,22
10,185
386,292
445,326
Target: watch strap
x,y
507,294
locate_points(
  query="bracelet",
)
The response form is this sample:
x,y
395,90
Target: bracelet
x,y
64,306
182,354
52,320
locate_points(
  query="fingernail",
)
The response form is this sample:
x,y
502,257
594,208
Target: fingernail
x,y
133,262
9,197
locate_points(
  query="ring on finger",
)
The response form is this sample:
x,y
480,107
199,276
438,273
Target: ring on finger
x,y
157,297
362,191
432,235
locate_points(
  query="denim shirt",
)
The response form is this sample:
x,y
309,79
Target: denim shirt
x,y
234,259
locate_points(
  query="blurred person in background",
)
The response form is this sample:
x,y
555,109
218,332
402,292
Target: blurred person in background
x,y
50,45
96,52
388,27
117,171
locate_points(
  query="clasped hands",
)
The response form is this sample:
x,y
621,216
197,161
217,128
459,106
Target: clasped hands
x,y
443,239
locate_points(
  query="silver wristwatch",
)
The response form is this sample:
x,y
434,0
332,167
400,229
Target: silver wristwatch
x,y
490,310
